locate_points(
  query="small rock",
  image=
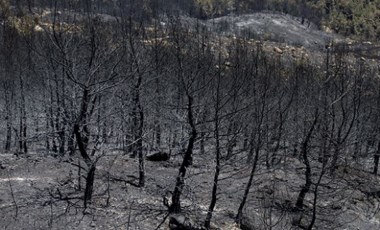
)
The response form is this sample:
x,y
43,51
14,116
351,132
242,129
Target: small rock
x,y
278,50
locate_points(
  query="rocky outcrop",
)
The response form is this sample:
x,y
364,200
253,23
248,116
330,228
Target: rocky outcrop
x,y
158,156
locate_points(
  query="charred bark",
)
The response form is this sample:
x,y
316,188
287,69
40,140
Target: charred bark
x,y
22,137
187,161
217,158
82,145
8,119
376,159
89,185
306,187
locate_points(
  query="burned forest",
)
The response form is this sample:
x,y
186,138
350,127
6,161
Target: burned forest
x,y
186,115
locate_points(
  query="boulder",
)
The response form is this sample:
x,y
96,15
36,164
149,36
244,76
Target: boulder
x,y
158,156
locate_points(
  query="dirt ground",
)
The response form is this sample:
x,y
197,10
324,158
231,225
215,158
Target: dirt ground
x,y
42,192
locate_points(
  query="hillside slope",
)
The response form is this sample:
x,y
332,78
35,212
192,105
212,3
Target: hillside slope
x,y
275,27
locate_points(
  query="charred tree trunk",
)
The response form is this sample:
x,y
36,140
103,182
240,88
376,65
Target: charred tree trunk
x,y
89,185
256,142
306,187
59,118
8,140
232,141
187,161
82,145
239,215
23,128
138,117
314,215
157,125
157,63
8,118
71,136
54,146
256,151
140,146
376,159
215,183
202,143
91,167
138,114
158,133
71,144
251,148
217,160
